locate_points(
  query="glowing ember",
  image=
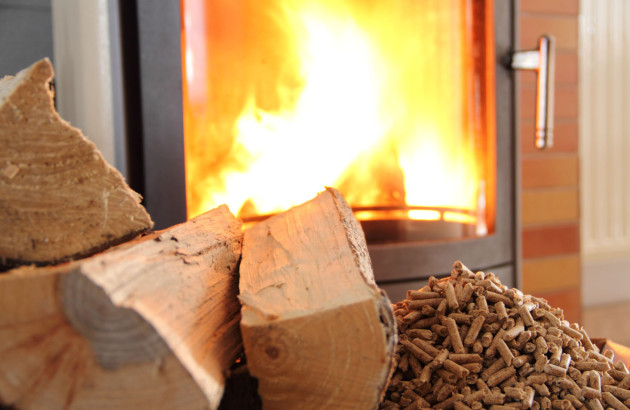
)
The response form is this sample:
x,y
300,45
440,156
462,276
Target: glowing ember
x,y
377,99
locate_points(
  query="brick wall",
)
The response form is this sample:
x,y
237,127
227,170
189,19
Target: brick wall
x,y
551,265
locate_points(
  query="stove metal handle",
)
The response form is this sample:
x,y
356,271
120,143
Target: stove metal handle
x,y
543,62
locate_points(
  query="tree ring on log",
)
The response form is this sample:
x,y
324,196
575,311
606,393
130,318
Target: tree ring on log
x,y
118,335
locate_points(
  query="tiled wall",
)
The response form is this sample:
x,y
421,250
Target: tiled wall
x,y
551,265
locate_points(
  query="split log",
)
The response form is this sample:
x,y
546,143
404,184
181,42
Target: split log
x,y
153,323
59,199
318,333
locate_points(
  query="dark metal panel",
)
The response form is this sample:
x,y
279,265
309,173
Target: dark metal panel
x,y
25,34
26,4
159,33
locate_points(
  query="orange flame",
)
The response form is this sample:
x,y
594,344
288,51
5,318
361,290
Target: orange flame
x,y
379,99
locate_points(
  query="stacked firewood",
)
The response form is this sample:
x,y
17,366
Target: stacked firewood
x,y
469,342
126,328
98,312
155,321
158,319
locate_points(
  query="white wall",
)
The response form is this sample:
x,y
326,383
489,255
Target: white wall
x,y
604,50
87,61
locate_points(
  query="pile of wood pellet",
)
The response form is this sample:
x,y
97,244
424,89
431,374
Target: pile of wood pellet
x,y
469,342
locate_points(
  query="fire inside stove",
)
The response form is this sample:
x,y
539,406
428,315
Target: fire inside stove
x,y
391,102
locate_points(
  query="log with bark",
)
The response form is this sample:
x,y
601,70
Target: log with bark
x,y
153,323
59,199
317,331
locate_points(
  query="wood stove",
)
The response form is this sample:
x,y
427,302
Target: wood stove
x,y
402,258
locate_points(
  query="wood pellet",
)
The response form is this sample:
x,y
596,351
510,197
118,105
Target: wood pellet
x,y
468,342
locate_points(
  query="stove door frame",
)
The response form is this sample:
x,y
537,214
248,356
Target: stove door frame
x,y
156,78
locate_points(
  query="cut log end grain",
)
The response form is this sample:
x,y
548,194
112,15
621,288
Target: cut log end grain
x,y
59,199
518,352
317,331
153,323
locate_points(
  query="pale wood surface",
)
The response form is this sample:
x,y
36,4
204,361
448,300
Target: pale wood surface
x,y
317,331
59,199
149,324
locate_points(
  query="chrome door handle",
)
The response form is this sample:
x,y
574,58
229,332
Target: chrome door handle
x,y
543,62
